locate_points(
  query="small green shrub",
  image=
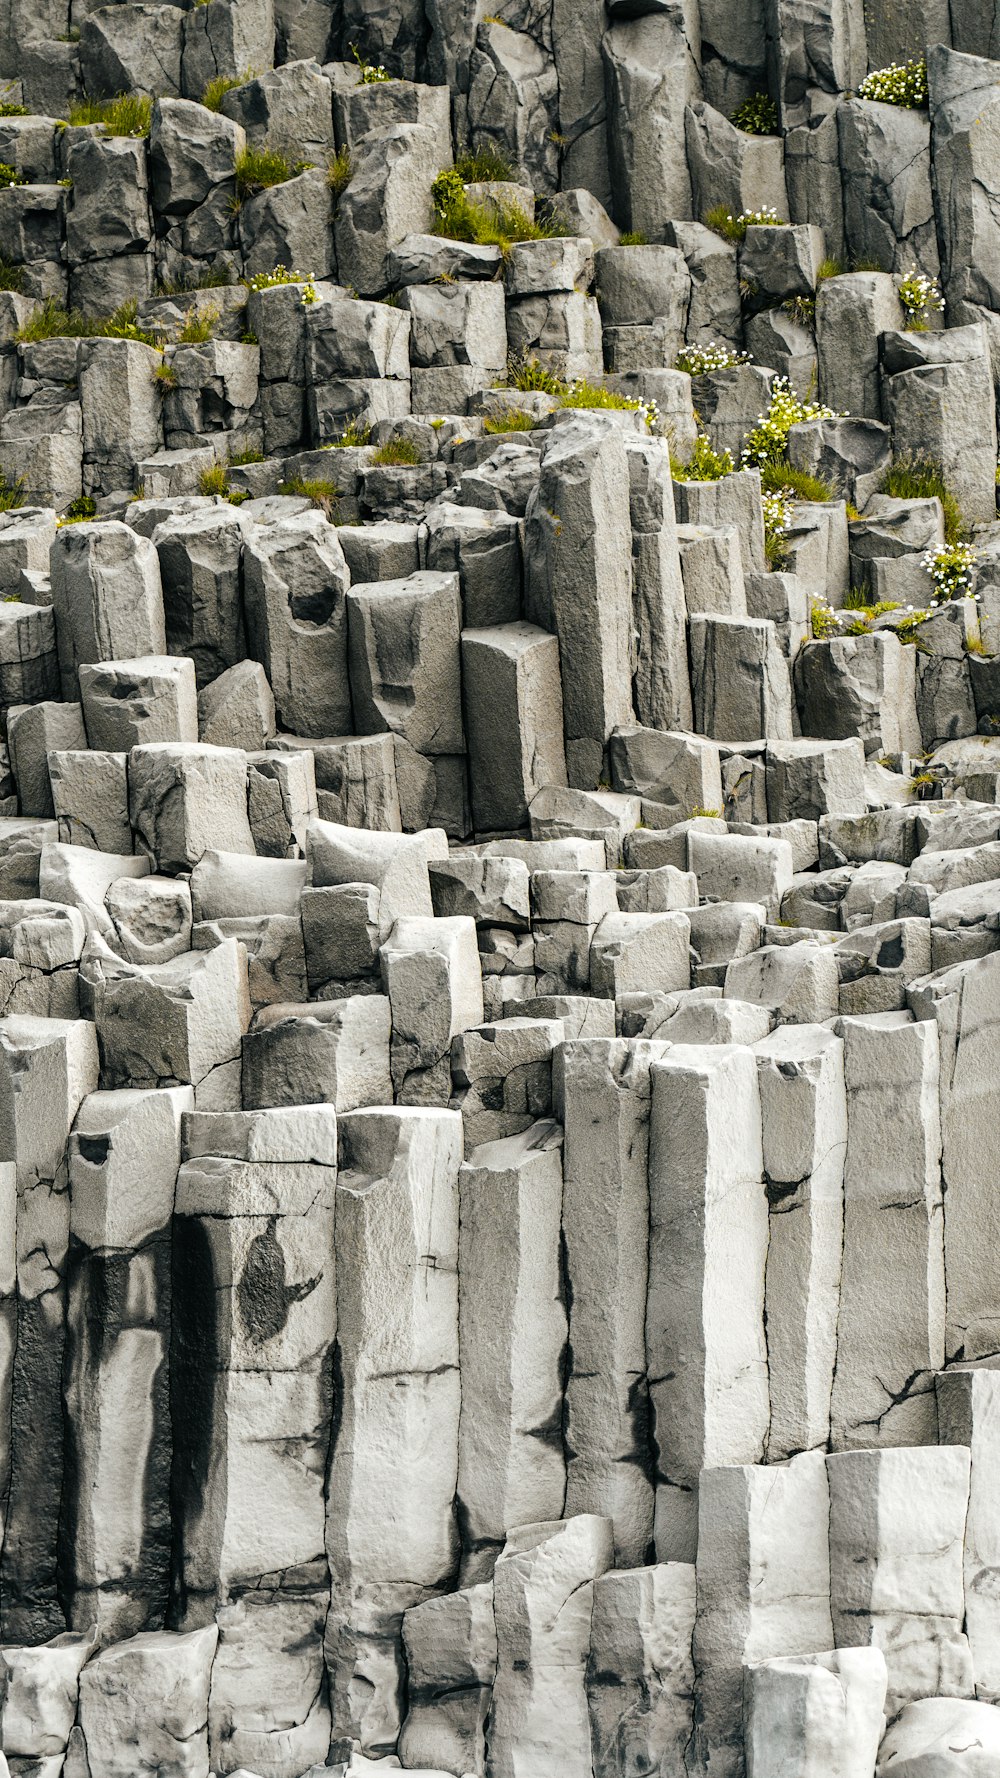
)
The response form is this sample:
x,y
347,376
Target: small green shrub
x,y
238,458
757,116
829,268
734,228
900,84
339,172
217,89
258,169
125,115
634,237
83,507
10,175
7,109
509,419
701,361
11,276
50,322
397,453
914,476
705,464
165,378
483,166
781,478
372,73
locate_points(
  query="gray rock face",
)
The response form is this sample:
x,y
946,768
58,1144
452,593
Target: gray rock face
x,y
499,889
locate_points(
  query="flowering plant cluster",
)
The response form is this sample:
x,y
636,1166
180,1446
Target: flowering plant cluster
x,y
372,73
705,463
701,361
951,570
777,523
859,620
734,228
281,275
903,84
920,297
767,442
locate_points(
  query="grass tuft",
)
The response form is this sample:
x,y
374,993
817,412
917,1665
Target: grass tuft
x,y
532,378
397,453
483,166
509,419
915,476
198,327
457,218
258,169
781,478
321,492
339,172
217,89
127,114
51,322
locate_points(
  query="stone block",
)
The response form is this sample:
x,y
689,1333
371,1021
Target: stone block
x,y
509,1466
705,1345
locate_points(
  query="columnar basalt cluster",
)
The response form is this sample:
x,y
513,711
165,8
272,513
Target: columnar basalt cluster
x,y
500,888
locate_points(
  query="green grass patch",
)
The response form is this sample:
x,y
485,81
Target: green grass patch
x,y
258,169
734,228
531,377
457,218
354,437
321,492
238,458
595,395
339,171
126,114
218,278
50,321
397,453
217,89
214,481
509,419
11,277
11,493
199,326
781,478
484,166
918,477
705,463
634,237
